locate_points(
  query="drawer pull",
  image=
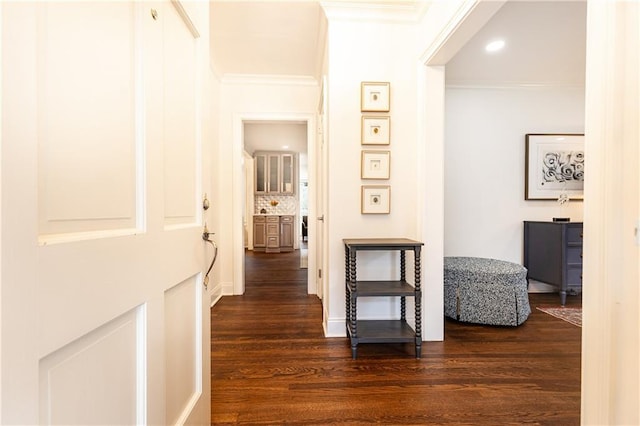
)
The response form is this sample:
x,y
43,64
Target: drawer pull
x,y
581,234
580,255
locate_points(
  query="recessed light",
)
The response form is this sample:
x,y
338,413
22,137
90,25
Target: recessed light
x,y
285,146
494,46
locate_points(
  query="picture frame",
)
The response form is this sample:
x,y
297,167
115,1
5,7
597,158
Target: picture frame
x,y
554,166
375,130
375,165
375,96
375,199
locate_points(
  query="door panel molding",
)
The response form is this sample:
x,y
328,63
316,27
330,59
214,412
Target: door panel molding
x,y
87,120
182,135
183,351
111,358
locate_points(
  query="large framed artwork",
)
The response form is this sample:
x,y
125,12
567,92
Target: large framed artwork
x,y
554,166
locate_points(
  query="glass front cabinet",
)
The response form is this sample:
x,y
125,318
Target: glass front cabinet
x,y
274,173
261,173
273,183
287,181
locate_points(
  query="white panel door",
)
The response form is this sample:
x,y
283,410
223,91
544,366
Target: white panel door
x,y
103,311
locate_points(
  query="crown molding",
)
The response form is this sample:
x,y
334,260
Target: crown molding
x,y
513,85
375,11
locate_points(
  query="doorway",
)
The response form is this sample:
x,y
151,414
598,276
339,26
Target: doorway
x,y
239,187
276,184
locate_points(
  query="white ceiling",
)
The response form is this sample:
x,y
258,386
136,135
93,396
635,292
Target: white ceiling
x,y
275,136
545,41
545,45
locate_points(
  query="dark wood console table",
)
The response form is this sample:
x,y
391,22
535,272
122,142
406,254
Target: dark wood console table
x,y
382,331
553,254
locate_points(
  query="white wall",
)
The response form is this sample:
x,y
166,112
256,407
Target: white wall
x,y
368,51
484,165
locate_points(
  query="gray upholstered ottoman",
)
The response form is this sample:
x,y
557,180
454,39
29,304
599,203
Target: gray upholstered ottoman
x,y
485,291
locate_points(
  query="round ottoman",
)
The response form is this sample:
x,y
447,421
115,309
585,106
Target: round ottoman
x,y
485,291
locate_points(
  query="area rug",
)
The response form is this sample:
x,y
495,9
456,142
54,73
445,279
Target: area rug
x,y
570,315
304,259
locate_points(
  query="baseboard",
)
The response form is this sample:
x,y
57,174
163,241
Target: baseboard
x,y
220,289
215,294
227,289
335,328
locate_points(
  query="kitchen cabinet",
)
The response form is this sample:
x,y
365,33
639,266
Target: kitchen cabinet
x,y
287,185
273,234
259,233
260,171
286,233
275,173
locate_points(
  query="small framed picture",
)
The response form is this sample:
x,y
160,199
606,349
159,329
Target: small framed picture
x,y
375,164
376,199
374,96
375,130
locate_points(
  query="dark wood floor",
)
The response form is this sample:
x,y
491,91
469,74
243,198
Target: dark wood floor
x,y
270,364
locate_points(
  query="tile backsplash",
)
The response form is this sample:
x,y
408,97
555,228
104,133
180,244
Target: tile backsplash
x,y
286,204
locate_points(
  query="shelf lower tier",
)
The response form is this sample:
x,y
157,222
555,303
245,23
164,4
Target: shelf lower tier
x,y
383,331
382,288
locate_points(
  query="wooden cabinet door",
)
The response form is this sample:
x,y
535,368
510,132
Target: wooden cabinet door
x,y
286,233
259,235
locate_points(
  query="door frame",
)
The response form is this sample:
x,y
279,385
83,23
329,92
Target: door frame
x,y
465,22
239,191
319,220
